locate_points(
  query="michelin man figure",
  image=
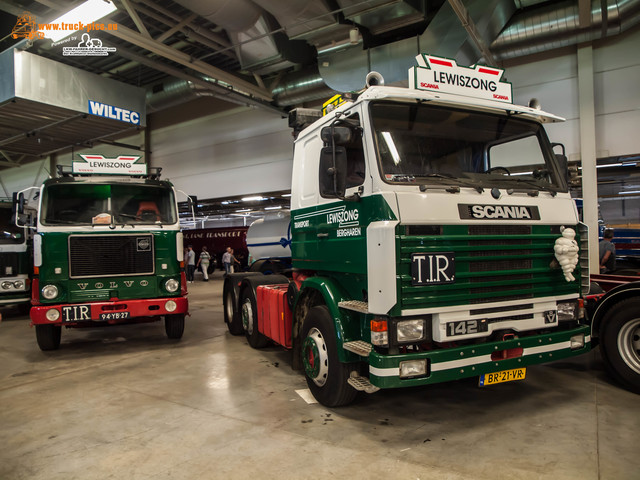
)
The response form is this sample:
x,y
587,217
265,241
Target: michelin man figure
x,y
566,251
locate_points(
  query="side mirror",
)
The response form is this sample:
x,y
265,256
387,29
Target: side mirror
x,y
333,172
336,135
561,158
18,202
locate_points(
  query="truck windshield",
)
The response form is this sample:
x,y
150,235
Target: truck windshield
x,y
93,203
431,144
9,233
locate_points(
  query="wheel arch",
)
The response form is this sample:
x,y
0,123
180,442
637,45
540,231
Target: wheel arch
x,y
611,298
323,291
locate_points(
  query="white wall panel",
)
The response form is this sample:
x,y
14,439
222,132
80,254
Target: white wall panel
x,y
238,152
553,81
618,134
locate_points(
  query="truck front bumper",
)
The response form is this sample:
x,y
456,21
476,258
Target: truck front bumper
x,y
474,360
120,311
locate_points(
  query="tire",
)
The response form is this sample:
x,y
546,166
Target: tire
x,y
174,325
48,337
230,297
249,315
326,375
230,307
620,343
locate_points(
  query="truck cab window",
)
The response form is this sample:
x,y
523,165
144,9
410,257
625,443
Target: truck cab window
x,y
82,204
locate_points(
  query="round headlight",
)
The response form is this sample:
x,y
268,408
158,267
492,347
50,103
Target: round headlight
x,y
172,285
19,284
49,292
170,306
7,285
52,315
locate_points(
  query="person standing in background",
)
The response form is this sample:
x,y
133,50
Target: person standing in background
x,y
191,264
607,252
205,258
233,260
226,261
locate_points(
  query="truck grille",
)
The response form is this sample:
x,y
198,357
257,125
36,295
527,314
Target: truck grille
x,y
9,264
110,255
492,263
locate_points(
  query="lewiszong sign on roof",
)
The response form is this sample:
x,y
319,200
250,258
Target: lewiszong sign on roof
x,y
437,74
120,165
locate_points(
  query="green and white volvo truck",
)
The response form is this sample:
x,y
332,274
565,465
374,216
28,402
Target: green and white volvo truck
x,y
107,250
433,238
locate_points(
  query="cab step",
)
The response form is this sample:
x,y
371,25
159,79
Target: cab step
x,y
355,305
359,347
362,384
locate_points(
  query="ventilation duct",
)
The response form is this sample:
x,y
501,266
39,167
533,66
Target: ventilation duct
x,y
530,31
345,70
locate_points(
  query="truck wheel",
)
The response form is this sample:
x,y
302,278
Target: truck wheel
x,y
326,375
174,325
231,313
620,343
249,315
48,337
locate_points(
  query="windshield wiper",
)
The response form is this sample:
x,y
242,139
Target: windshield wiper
x,y
62,222
459,181
531,183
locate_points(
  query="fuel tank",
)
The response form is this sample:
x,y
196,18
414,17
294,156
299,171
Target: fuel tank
x,y
270,237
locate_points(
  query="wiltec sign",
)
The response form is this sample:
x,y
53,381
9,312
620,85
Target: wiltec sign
x,y
443,75
113,112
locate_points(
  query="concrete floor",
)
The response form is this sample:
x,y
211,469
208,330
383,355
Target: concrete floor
x,y
126,403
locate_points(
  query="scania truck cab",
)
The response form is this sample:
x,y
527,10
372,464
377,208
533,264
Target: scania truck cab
x,y
433,238
107,250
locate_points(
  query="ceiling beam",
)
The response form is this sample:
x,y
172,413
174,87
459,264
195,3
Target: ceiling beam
x,y
584,13
176,27
186,60
136,18
154,7
218,90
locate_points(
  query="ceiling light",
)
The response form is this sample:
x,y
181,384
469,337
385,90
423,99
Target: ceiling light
x,y
273,208
254,199
86,13
286,195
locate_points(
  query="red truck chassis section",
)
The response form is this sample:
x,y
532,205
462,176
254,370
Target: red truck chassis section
x,y
91,312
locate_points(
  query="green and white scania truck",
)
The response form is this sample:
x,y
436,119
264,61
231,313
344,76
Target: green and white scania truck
x,y
107,250
425,231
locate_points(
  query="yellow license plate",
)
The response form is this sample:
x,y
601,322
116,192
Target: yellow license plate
x,y
503,376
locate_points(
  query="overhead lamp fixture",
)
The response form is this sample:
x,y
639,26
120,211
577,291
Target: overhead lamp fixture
x,y
273,208
79,18
254,199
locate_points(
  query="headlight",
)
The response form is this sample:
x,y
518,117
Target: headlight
x,y
170,306
577,341
172,285
7,285
52,315
566,311
413,369
18,284
410,330
49,292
